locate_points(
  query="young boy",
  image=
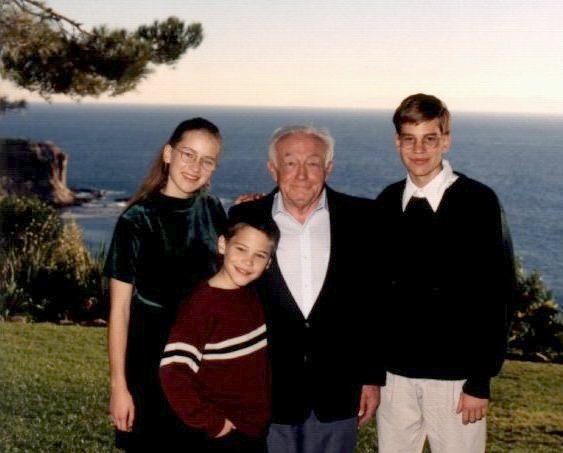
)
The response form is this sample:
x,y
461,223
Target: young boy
x,y
449,278
214,369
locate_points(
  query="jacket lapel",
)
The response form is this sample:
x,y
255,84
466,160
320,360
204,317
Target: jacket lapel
x,y
331,197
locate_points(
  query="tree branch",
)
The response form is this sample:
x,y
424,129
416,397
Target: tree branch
x,y
49,13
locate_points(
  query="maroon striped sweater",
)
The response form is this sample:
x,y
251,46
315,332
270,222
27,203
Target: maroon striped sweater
x,y
215,364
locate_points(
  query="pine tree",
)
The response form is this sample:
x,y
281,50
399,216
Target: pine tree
x,y
43,51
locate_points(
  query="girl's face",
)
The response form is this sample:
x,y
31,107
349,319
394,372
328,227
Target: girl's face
x,y
192,162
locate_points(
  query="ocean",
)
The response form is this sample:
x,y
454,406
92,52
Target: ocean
x,y
111,146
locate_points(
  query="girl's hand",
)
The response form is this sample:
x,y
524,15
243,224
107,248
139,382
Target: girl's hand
x,y
122,409
227,428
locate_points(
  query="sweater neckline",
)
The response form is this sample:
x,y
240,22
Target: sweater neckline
x,y
174,203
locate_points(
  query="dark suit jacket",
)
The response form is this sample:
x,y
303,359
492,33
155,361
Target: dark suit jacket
x,y
321,362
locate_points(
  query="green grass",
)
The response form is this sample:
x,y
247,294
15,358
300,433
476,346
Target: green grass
x,y
54,394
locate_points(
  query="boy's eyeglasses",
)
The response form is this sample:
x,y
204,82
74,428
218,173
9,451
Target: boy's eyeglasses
x,y
189,156
429,142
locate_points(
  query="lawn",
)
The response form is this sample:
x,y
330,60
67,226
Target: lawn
x,y
54,392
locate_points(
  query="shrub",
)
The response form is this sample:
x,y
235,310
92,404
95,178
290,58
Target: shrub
x,y
46,271
537,327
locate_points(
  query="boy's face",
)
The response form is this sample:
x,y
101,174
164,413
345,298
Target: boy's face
x,y
246,255
421,147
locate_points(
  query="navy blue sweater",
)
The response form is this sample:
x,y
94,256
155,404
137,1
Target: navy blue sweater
x,y
448,281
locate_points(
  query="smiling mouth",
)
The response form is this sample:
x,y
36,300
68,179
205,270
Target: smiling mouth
x,y
190,177
242,271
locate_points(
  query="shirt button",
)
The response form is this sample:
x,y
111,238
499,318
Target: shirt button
x,y
307,325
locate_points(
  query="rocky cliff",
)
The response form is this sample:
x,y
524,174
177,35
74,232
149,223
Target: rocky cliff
x,y
34,168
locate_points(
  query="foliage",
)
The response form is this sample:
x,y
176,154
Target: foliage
x,y
55,394
46,271
537,327
43,51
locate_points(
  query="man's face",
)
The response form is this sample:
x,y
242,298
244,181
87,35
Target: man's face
x,y
300,170
421,147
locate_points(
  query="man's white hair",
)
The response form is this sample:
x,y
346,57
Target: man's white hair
x,y
320,133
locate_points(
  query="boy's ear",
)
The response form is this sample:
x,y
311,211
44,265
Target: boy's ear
x,y
269,263
221,245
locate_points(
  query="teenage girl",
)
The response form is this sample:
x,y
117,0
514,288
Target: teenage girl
x,y
163,244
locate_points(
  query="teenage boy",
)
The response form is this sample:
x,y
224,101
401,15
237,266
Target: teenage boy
x,y
214,369
449,279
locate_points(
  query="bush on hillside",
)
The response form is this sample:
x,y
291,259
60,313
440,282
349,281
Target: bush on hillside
x,y
537,326
46,272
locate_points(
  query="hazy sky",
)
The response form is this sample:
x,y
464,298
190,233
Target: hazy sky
x,y
478,55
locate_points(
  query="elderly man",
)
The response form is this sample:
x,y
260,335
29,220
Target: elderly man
x,y
325,367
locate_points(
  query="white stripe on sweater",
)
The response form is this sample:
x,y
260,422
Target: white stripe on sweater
x,y
236,340
238,353
180,359
178,346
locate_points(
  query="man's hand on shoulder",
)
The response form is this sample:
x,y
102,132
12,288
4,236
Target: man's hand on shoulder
x,y
369,402
251,196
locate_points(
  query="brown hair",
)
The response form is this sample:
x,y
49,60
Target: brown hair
x,y
422,107
158,172
265,225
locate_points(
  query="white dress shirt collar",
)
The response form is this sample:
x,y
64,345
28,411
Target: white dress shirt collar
x,y
434,190
278,206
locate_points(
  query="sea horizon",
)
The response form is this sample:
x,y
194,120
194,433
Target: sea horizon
x,y
108,103
110,147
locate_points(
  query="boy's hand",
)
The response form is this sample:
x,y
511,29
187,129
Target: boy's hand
x,y
472,408
227,428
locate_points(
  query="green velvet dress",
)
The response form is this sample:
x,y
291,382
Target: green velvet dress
x,y
163,246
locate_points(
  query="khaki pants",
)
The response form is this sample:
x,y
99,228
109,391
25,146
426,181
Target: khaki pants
x,y
412,410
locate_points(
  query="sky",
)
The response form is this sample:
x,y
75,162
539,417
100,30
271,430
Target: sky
x,y
492,55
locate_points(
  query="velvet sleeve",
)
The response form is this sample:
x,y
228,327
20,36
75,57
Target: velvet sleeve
x,y
124,251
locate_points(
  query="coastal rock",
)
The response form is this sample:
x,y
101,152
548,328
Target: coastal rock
x,y
35,168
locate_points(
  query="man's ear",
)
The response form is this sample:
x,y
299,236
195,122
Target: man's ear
x,y
329,167
221,245
273,170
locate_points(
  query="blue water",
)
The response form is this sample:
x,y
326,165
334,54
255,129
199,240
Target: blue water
x,y
110,148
